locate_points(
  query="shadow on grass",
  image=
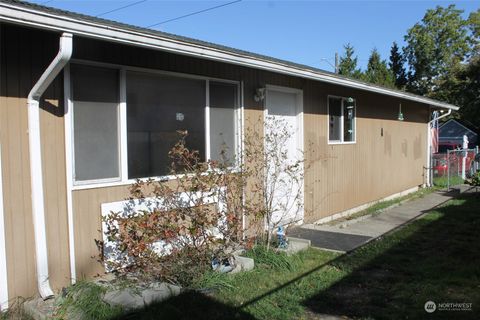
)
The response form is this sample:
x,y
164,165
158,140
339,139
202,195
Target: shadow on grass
x,y
188,305
438,261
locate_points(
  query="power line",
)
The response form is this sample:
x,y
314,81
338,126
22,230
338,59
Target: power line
x,y
45,2
193,13
120,8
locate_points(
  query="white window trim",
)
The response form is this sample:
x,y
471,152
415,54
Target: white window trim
x,y
123,179
70,123
335,142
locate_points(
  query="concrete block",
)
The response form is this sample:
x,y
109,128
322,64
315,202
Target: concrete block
x,y
39,309
243,264
306,241
126,298
130,299
158,293
296,245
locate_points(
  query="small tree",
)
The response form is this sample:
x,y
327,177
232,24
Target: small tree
x,y
348,63
275,174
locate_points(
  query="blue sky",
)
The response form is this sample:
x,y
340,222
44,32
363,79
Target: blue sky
x,y
301,31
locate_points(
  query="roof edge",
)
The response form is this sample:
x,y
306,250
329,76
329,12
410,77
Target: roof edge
x,y
39,17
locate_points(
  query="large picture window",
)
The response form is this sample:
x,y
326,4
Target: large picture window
x,y
341,120
125,123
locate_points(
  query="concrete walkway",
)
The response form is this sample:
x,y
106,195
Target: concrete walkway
x,y
346,236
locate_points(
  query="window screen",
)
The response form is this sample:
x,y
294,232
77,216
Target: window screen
x,y
95,122
341,119
335,117
158,106
223,103
348,120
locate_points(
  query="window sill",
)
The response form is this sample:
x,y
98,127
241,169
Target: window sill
x,y
108,184
340,142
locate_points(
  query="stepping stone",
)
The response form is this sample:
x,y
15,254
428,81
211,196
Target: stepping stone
x,y
243,264
296,245
130,299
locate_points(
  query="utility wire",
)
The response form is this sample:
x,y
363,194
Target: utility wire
x,y
45,2
120,8
193,13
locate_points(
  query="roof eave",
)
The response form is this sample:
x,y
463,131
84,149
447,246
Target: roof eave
x,y
44,20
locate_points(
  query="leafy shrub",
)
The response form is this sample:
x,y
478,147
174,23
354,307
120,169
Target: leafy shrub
x,y
475,180
181,227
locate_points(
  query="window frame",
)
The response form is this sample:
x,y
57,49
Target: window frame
x,y
72,129
122,124
342,121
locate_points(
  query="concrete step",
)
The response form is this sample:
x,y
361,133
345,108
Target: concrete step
x,y
296,245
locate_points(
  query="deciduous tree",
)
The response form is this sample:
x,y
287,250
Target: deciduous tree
x,y
435,47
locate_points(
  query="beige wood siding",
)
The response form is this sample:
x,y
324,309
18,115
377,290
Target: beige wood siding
x,y
24,55
344,176
88,225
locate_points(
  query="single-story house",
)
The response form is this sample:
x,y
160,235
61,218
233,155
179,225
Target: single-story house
x,y
451,132
87,105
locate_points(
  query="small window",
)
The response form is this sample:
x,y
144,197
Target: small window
x,y
223,105
95,125
341,119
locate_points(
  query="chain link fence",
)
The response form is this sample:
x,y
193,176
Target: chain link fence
x,y
454,167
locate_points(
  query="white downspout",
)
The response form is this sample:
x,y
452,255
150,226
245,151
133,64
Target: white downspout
x,y
429,147
38,208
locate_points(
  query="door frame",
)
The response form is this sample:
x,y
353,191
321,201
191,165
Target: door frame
x,y
300,136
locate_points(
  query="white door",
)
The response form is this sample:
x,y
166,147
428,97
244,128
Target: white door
x,y
283,149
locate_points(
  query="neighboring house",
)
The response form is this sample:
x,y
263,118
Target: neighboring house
x,y
106,111
452,131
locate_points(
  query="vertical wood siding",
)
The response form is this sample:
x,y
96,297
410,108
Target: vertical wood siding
x,y
24,55
341,177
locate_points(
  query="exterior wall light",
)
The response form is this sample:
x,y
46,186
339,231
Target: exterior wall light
x,y
350,102
400,114
259,94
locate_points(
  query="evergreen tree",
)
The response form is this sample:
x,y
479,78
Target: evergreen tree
x,y
348,63
377,71
397,66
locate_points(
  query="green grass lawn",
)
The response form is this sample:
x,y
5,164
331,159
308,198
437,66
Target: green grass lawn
x,y
442,181
380,206
434,258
